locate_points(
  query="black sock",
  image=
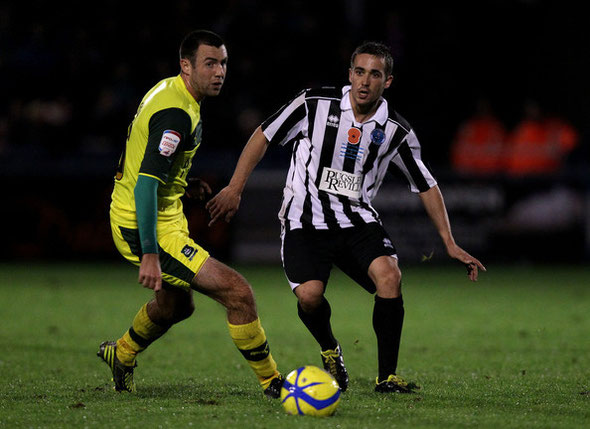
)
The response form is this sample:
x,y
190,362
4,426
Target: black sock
x,y
388,318
318,323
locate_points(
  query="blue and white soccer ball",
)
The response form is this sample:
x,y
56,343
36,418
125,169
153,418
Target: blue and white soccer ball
x,y
310,391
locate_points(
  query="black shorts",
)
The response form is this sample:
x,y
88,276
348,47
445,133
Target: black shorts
x,y
309,254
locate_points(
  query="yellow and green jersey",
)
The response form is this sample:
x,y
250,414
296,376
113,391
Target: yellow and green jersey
x,y
161,143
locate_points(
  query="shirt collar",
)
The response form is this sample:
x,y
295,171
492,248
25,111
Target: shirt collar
x,y
380,115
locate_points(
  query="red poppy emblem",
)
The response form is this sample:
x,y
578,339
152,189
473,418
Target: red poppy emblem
x,y
354,135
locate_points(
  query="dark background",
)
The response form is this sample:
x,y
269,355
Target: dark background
x,y
72,76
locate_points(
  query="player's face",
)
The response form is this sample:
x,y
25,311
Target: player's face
x,y
368,80
205,77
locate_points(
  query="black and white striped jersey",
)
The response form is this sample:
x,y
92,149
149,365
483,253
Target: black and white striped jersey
x,y
338,164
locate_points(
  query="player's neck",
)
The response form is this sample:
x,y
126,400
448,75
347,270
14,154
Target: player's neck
x,y
364,113
192,91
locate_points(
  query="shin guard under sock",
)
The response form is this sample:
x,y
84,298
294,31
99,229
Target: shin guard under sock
x,y
388,318
318,323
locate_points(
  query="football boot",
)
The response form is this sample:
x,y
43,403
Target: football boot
x,y
334,364
274,388
122,374
395,384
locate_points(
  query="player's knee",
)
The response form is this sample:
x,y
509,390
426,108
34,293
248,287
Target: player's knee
x,y
176,312
243,294
238,294
396,277
389,283
309,298
183,311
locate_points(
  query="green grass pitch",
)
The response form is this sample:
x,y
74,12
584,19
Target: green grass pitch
x,y
510,351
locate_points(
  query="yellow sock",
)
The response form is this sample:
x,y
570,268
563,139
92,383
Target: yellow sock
x,y
251,342
140,335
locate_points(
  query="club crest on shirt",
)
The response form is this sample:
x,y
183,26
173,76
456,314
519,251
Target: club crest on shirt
x,y
377,136
169,142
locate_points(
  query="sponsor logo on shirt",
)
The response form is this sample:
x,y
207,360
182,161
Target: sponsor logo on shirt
x,y
341,183
333,121
169,142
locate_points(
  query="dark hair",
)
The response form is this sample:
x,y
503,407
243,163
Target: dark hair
x,y
194,39
377,49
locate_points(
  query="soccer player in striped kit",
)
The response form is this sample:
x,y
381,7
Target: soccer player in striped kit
x,y
344,142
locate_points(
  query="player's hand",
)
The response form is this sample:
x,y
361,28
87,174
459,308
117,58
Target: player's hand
x,y
472,264
150,273
223,205
197,189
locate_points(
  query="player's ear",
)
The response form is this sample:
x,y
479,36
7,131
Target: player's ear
x,y
388,81
350,74
185,65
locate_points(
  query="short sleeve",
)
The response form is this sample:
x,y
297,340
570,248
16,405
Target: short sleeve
x,y
287,122
169,132
408,161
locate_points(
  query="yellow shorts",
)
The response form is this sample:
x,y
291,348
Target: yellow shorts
x,y
180,257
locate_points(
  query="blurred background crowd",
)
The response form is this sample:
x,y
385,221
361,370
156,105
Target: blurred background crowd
x,y
498,94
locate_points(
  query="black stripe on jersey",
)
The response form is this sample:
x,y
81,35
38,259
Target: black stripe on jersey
x,y
368,207
401,121
354,217
399,134
373,150
275,115
371,158
328,144
408,160
294,158
349,166
287,208
297,115
369,164
312,108
306,214
351,152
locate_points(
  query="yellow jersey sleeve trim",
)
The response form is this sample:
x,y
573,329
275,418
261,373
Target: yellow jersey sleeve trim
x,y
153,177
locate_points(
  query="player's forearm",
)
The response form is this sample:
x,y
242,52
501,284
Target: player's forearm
x,y
251,155
435,207
146,207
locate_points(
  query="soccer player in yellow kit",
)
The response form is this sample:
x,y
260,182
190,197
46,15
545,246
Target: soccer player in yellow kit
x,y
150,229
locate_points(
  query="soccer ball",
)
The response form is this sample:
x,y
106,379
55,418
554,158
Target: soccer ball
x,y
310,391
